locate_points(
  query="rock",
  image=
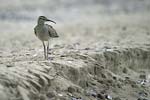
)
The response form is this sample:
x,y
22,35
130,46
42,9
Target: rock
x,y
143,94
103,75
108,97
114,77
142,76
119,85
63,55
60,95
87,48
134,85
71,89
125,70
9,65
51,94
91,93
74,98
100,96
127,78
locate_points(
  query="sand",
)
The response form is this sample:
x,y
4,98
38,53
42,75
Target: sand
x,y
100,55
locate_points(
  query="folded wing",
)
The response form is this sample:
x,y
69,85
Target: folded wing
x,y
52,32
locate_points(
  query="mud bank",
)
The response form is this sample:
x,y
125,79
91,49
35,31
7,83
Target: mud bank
x,y
116,73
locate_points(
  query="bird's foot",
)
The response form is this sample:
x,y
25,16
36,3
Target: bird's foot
x,y
50,51
50,58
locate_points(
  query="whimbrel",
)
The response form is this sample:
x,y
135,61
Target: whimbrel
x,y
44,32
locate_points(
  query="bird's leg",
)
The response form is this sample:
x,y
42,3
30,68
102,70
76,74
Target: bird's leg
x,y
47,49
44,49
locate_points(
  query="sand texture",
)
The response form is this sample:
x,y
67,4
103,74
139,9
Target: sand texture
x,y
102,53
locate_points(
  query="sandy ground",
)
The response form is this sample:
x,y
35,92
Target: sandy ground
x,y
102,53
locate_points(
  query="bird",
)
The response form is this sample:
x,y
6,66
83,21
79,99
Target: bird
x,y
45,32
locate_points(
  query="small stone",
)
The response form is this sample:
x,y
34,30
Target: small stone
x,y
60,95
73,98
71,89
114,77
143,94
27,54
87,48
56,45
70,94
125,70
108,97
51,94
100,96
62,55
107,47
142,76
91,93
9,65
119,85
103,75
80,98
127,78
110,81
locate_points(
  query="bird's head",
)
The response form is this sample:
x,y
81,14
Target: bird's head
x,y
43,19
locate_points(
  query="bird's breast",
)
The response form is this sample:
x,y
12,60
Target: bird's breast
x,y
42,34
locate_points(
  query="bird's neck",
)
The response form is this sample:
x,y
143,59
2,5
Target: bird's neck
x,y
40,22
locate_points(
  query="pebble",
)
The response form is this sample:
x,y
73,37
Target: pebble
x,y
51,94
125,70
142,76
71,89
108,97
9,65
93,93
100,96
143,94
73,98
60,94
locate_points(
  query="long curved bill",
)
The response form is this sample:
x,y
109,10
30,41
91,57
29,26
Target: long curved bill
x,y
51,21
